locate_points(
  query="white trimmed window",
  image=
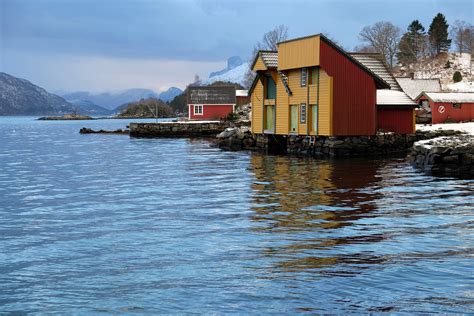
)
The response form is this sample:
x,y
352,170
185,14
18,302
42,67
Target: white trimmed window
x,y
198,109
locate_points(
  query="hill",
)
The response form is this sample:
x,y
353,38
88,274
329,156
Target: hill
x,y
150,107
21,97
442,67
112,100
85,107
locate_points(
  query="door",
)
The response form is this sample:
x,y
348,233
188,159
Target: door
x,y
314,118
293,119
270,118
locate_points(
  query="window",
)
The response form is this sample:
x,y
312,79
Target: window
x,y
303,113
271,88
425,105
457,106
304,76
197,109
314,118
313,75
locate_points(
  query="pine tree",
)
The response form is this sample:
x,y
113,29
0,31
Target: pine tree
x,y
438,34
411,45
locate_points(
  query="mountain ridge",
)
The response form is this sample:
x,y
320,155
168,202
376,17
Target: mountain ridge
x,y
19,96
112,100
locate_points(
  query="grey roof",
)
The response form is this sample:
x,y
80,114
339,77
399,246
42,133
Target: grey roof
x,y
270,59
393,97
413,87
378,66
451,97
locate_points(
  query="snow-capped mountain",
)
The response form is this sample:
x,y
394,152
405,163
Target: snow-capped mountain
x,y
111,100
235,72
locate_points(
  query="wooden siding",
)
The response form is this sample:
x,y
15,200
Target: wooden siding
x,y
299,53
354,94
257,108
299,95
400,121
325,115
259,64
465,113
282,109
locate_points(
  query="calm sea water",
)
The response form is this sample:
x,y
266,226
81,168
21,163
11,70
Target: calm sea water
x,y
98,224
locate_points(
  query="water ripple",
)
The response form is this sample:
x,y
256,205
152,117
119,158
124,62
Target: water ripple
x,y
106,224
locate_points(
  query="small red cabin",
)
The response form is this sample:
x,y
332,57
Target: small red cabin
x,y
395,112
210,103
445,107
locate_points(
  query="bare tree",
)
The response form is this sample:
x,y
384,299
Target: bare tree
x,y
463,35
269,41
383,37
272,38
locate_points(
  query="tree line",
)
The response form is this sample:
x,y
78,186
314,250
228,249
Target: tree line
x,y
407,48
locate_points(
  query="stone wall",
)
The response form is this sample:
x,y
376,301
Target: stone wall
x,y
380,144
176,129
451,156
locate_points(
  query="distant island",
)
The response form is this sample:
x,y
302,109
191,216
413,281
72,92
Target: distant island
x,y
66,117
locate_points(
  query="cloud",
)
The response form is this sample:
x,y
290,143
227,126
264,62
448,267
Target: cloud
x,y
73,73
108,34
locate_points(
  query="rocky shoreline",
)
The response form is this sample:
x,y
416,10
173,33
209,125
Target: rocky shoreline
x,y
450,156
67,117
440,152
86,130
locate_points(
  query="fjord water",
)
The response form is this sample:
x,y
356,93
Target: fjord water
x,y
94,224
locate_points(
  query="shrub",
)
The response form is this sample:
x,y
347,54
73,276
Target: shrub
x,y
457,76
232,117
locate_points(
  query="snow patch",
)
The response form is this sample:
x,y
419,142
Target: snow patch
x,y
463,127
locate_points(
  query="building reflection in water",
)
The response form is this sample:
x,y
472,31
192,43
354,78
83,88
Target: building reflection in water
x,y
314,206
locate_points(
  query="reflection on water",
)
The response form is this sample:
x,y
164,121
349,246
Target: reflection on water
x,y
108,224
297,196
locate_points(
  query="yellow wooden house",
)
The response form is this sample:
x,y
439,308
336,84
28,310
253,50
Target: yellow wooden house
x,y
310,86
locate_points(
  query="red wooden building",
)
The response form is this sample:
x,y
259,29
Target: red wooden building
x,y
445,107
210,103
395,109
312,87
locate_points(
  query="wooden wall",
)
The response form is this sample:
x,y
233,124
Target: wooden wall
x,y
325,109
354,94
257,108
300,53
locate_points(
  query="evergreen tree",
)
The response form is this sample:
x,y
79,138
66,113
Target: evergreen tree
x,y
411,45
438,34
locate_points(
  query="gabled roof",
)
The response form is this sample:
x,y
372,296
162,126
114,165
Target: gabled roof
x,y
450,97
413,87
381,83
269,58
387,97
377,64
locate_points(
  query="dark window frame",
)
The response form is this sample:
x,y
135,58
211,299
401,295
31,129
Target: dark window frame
x,y
303,113
304,77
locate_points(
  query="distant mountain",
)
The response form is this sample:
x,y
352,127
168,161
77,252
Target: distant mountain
x,y
170,94
235,72
21,97
86,107
112,100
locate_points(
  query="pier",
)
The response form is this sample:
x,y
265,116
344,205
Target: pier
x,y
177,129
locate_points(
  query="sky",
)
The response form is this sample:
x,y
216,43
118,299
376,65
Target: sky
x,y
111,45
